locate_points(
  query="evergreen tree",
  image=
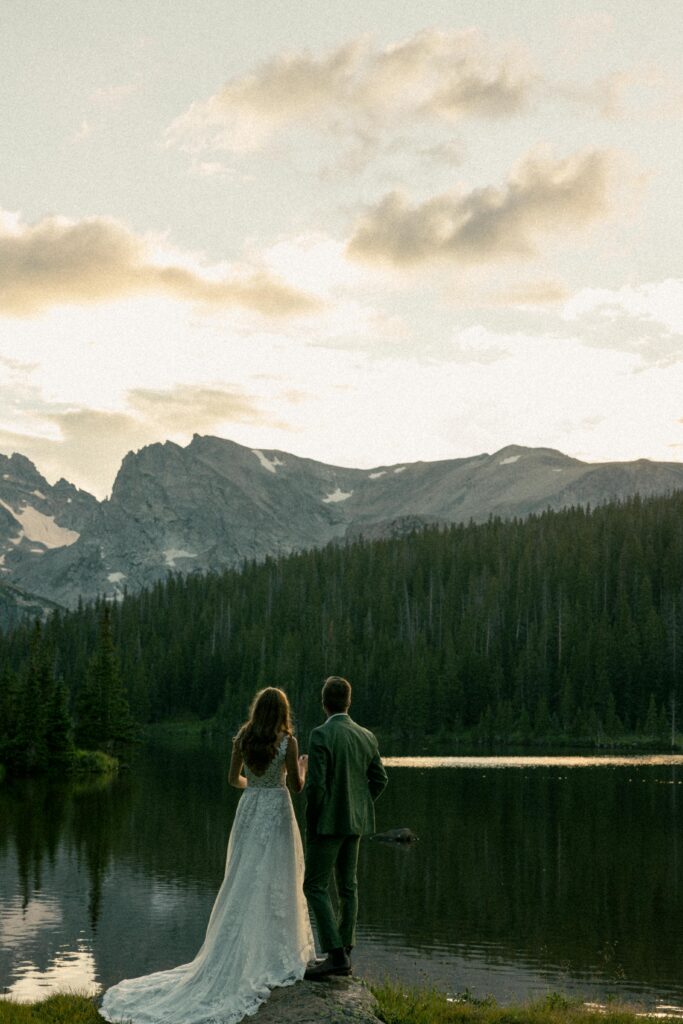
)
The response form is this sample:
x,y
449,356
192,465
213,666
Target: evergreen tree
x,y
36,690
104,718
10,708
651,723
58,725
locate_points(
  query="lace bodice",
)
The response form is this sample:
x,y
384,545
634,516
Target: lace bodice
x,y
274,775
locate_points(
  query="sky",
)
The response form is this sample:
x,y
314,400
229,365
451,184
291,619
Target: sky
x,y
365,233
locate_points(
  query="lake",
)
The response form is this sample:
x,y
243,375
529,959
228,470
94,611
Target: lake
x,y
530,875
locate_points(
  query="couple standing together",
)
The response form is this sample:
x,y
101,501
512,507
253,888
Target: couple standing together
x,y
259,933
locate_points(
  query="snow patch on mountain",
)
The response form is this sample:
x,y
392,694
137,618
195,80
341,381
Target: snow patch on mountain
x,y
337,495
510,459
39,494
399,469
41,528
116,577
172,554
269,464
375,476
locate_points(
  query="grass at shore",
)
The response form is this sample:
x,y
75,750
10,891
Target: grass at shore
x,y
58,1009
399,1005
396,1005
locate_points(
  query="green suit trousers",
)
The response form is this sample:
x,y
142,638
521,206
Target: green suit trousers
x,y
333,859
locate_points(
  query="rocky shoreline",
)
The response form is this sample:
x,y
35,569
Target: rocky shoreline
x,y
333,1001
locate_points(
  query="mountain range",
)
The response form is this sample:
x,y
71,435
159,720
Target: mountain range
x,y
214,503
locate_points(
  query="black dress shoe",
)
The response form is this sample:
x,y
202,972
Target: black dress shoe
x,y
329,967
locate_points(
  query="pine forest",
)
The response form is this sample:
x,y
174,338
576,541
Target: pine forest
x,y
562,628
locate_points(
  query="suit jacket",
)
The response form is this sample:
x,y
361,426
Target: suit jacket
x,y
345,777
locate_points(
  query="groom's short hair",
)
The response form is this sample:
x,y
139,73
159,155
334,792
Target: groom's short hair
x,y
336,694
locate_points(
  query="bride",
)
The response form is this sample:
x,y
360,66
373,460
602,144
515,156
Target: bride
x,y
259,934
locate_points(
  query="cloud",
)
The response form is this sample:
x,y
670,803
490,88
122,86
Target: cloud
x,y
655,302
450,152
478,345
542,196
646,320
97,259
607,94
86,445
448,74
194,408
533,293
433,74
16,366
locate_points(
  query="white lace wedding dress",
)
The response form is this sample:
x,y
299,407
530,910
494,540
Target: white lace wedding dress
x,y
259,934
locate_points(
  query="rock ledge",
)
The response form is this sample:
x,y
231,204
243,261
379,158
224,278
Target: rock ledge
x,y
333,1001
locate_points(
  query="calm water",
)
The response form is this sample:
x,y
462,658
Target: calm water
x,y
531,874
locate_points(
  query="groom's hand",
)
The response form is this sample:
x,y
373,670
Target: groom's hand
x,y
303,763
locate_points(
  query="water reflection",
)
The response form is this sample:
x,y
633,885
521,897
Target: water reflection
x,y
566,761
539,878
68,970
572,875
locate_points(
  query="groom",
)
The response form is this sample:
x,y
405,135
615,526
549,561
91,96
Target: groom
x,y
345,777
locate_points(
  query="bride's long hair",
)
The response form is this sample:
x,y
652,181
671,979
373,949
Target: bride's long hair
x,y
269,717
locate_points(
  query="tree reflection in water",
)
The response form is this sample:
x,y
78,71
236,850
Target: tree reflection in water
x,y
552,867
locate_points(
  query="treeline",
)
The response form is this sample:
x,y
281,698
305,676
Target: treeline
x,y
565,625
42,718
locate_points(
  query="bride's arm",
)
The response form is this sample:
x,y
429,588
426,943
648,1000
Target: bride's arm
x,y
234,777
296,766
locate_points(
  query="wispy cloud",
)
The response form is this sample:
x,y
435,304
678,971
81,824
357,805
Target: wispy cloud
x,y
646,320
192,407
87,444
542,195
608,94
58,261
542,292
477,345
434,74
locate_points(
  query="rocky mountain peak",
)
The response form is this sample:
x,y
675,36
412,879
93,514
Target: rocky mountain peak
x,y
19,469
214,503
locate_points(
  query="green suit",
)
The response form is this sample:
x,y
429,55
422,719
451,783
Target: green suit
x,y
345,777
